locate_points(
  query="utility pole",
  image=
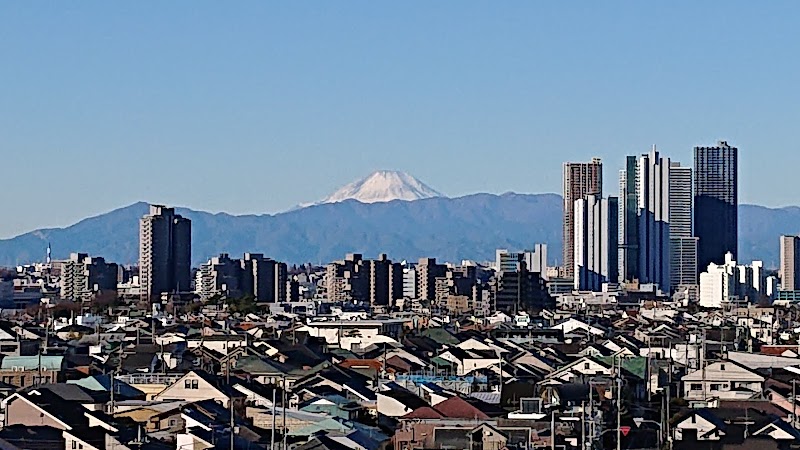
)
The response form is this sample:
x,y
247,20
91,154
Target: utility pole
x,y
619,403
794,403
583,419
272,440
112,393
283,405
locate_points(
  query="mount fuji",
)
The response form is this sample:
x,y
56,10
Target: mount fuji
x,y
383,186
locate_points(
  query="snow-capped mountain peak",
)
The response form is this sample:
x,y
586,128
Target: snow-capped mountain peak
x,y
383,186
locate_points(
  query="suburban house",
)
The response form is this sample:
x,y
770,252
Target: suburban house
x,y
722,380
468,361
198,385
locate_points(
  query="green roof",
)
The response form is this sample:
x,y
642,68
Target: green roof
x,y
636,365
322,425
49,362
441,362
440,336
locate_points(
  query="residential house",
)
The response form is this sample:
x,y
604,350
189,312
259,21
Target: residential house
x,y
722,380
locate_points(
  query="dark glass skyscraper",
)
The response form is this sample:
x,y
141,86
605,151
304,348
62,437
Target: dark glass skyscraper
x,y
716,200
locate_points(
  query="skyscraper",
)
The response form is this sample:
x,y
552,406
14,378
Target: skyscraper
x,y
682,244
596,242
628,222
790,263
716,199
652,195
165,252
580,180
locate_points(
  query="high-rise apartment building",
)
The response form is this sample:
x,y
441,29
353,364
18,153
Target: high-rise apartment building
x,y
790,263
580,180
596,242
165,252
83,277
716,199
628,222
682,244
652,194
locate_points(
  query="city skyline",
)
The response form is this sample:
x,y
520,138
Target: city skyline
x,y
291,92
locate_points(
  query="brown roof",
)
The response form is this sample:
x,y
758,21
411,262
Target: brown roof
x,y
425,412
762,406
458,408
371,363
777,350
452,408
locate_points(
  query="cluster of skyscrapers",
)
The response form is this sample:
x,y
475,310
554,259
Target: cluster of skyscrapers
x,y
667,225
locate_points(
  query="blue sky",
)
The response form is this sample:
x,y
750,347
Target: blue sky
x,y
253,107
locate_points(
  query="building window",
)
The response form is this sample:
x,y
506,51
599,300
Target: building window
x,y
74,444
586,366
187,384
695,387
194,384
722,367
715,386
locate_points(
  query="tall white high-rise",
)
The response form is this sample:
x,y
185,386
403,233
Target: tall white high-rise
x,y
596,241
652,195
165,252
682,245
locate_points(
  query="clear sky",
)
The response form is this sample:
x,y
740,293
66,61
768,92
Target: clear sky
x,y
253,107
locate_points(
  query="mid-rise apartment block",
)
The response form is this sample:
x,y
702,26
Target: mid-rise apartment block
x,y
723,284
427,271
83,277
254,275
377,282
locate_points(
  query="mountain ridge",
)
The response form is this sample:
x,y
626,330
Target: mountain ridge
x,y
451,229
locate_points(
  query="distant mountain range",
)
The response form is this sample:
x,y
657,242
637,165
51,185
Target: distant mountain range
x,y
450,229
386,212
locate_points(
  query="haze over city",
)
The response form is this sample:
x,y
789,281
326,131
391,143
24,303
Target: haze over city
x,y
264,106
